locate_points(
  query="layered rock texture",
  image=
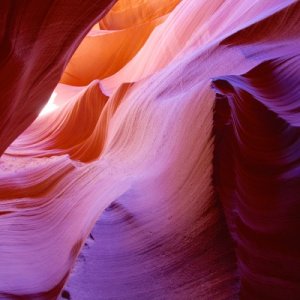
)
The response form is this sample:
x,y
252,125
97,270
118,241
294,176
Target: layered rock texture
x,y
149,149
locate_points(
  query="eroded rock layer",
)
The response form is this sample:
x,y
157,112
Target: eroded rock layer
x,y
174,129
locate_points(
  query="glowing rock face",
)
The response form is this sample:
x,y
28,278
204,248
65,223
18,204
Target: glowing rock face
x,y
174,127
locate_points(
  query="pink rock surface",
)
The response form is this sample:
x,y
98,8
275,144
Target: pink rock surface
x,y
186,158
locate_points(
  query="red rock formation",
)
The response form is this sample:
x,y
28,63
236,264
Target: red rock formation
x,y
37,40
186,156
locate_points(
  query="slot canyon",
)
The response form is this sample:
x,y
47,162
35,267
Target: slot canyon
x,y
148,149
